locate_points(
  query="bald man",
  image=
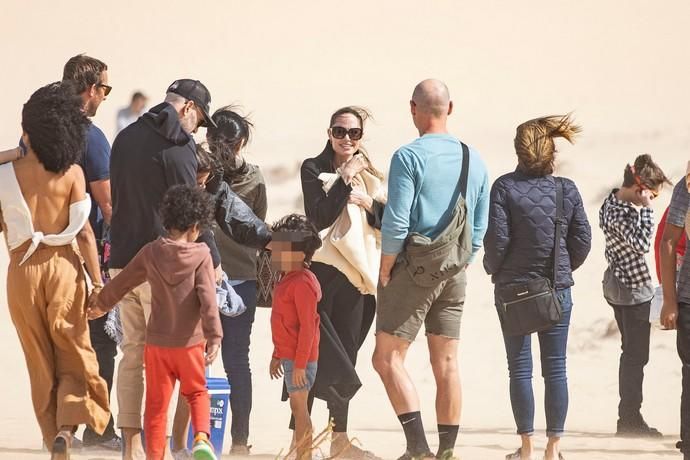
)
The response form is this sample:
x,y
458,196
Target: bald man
x,y
438,192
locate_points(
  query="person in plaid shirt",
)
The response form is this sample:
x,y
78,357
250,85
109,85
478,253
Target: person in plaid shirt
x,y
627,221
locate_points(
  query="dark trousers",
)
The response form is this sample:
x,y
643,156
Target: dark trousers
x,y
235,350
683,345
633,323
106,350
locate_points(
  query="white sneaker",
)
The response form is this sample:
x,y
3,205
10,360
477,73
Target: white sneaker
x,y
182,454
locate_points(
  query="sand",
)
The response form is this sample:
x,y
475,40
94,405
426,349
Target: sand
x,y
621,66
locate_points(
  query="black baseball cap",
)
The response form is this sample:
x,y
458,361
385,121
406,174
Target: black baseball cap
x,y
194,90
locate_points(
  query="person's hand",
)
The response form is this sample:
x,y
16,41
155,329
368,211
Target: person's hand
x,y
353,166
646,198
384,277
299,378
219,274
669,315
275,369
93,308
361,199
211,353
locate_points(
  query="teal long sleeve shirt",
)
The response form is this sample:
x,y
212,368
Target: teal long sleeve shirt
x,y
423,188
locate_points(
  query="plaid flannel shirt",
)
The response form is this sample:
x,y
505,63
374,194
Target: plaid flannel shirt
x,y
628,238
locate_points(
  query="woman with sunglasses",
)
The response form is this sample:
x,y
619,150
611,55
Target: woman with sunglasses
x,y
238,260
519,247
339,181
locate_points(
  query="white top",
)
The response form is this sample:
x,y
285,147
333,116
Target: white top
x,y
17,216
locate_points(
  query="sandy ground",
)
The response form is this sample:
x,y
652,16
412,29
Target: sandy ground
x,y
622,66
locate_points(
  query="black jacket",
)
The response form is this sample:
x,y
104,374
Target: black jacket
x,y
324,208
148,157
518,245
236,219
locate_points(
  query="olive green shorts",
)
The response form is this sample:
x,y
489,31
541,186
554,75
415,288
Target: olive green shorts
x,y
403,306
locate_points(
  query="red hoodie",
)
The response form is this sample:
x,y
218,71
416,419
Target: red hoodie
x,y
294,320
184,309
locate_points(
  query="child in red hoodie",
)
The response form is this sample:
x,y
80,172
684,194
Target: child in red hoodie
x,y
184,316
294,320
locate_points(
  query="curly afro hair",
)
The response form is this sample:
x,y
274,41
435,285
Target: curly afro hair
x,y
185,206
56,126
306,238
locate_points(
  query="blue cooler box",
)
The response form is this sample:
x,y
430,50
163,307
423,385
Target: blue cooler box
x,y
219,391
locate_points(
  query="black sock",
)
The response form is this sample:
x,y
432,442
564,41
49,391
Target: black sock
x,y
414,433
447,434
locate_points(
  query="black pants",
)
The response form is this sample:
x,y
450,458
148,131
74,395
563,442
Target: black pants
x,y
683,345
106,350
235,350
633,323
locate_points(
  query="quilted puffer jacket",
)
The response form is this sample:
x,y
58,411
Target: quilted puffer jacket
x,y
519,242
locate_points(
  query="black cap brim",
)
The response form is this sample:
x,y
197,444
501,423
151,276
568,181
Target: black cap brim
x,y
208,121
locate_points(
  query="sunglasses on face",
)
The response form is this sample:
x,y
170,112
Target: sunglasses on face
x,y
339,133
106,88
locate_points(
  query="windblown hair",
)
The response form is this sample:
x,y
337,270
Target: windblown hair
x,y
362,115
309,240
184,206
83,71
234,131
534,143
648,173
56,126
207,162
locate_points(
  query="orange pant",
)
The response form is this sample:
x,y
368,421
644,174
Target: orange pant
x,y
163,366
46,297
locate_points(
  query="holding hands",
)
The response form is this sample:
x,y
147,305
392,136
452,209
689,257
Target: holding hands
x,y
94,310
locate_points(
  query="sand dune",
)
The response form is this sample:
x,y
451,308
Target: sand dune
x,y
621,66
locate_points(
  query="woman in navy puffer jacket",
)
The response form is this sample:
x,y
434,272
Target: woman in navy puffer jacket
x,y
519,247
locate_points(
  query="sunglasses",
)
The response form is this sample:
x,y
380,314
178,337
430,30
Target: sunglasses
x,y
107,88
339,133
638,181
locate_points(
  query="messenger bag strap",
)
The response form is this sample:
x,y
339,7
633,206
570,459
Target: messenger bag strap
x,y
559,224
464,172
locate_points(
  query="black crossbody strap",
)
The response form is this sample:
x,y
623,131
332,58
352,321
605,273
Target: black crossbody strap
x,y
559,225
464,172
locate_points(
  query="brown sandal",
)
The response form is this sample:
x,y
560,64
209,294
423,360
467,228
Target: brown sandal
x,y
61,446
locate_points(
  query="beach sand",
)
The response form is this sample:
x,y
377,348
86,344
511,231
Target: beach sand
x,y
621,66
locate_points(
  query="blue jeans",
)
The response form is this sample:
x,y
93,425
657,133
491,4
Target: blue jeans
x,y
552,346
235,350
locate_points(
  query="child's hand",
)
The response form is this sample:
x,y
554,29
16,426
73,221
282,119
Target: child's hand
x,y
299,378
93,308
211,353
275,368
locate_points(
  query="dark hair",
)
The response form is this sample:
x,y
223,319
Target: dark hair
x,y
649,173
206,160
56,126
362,115
185,206
233,132
310,242
83,71
138,95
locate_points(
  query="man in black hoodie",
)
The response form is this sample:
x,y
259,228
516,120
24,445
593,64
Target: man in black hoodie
x,y
148,157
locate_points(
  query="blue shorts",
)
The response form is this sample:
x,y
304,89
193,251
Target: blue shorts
x,y
310,372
